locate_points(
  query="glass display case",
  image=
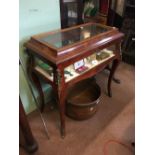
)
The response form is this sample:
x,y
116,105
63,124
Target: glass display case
x,y
65,57
64,38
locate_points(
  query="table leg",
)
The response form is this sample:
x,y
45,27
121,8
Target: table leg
x,y
62,115
116,80
37,84
60,91
34,78
113,69
30,143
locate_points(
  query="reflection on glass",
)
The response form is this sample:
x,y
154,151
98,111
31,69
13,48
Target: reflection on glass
x,y
61,39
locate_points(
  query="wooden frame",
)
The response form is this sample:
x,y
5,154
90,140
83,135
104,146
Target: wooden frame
x,y
30,143
71,54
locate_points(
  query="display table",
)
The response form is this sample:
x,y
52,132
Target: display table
x,y
72,54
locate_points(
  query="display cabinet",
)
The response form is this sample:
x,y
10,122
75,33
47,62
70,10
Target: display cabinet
x,y
71,55
71,12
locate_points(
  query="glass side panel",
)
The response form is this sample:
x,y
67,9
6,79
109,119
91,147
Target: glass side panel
x,y
61,39
90,62
72,71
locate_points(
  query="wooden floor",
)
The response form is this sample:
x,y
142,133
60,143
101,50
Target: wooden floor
x,y
111,125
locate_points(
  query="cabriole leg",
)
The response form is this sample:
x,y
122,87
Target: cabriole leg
x,y
37,83
113,69
60,93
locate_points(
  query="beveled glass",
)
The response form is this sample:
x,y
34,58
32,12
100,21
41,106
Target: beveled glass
x,y
71,36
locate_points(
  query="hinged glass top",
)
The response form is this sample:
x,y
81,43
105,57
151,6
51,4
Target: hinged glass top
x,y
70,36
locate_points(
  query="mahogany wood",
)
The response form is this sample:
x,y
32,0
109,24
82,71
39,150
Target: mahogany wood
x,y
69,55
30,143
114,66
39,88
34,78
83,104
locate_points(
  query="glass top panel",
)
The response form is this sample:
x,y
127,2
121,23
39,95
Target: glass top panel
x,y
61,39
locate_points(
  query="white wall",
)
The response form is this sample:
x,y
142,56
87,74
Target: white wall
x,y
35,16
